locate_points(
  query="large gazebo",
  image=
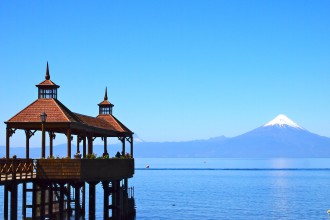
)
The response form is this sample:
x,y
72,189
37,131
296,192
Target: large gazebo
x,y
58,185
48,114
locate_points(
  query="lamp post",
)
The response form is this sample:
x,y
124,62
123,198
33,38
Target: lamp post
x,y
43,118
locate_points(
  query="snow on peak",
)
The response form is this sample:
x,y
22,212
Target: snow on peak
x,y
282,121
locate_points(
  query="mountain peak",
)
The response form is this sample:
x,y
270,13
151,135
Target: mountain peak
x,y
282,121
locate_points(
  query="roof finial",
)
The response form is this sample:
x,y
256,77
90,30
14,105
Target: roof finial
x,y
47,73
106,93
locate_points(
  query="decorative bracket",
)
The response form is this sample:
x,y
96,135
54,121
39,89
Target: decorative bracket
x,y
11,131
30,133
52,135
129,139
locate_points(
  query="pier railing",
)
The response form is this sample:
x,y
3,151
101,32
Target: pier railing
x,y
65,169
16,169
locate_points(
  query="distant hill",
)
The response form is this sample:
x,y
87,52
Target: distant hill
x,y
280,137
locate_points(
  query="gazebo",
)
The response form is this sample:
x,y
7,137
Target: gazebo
x,y
61,182
48,114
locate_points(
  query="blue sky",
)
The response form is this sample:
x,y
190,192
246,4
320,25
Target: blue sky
x,y
175,69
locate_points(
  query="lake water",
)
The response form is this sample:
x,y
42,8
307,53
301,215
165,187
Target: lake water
x,y
215,188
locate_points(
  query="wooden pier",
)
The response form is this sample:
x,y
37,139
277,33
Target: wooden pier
x,y
58,186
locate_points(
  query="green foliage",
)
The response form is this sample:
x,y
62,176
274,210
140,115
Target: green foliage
x,y
91,156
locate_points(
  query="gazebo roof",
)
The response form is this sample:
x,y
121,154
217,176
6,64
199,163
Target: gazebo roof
x,y
58,114
47,82
60,118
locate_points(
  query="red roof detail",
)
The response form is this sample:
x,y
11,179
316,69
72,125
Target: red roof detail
x,y
115,123
105,102
55,110
48,82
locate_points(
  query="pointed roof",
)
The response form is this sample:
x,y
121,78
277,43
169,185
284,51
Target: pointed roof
x,y
105,102
47,77
56,112
47,82
114,123
106,93
59,113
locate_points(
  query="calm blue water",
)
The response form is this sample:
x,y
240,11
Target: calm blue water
x,y
204,188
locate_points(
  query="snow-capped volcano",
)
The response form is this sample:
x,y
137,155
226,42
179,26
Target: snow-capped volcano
x,y
282,121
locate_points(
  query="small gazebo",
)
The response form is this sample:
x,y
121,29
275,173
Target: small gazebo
x,y
48,114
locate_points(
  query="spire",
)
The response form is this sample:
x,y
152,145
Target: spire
x,y
106,93
47,77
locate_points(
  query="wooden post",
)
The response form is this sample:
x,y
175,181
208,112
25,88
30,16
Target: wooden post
x,y
43,140
13,201
51,138
42,201
105,199
78,142
105,150
90,144
34,200
115,204
5,203
24,201
83,202
50,200
8,131
61,202
123,140
68,199
68,135
77,211
132,147
28,135
27,143
84,146
92,200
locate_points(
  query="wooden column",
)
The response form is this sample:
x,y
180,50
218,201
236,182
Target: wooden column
x,y
8,134
24,201
90,144
51,138
50,200
34,200
105,199
115,203
43,141
5,202
105,149
77,201
68,135
68,199
42,201
13,201
28,135
83,202
27,144
78,143
84,146
132,147
123,140
92,200
61,201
